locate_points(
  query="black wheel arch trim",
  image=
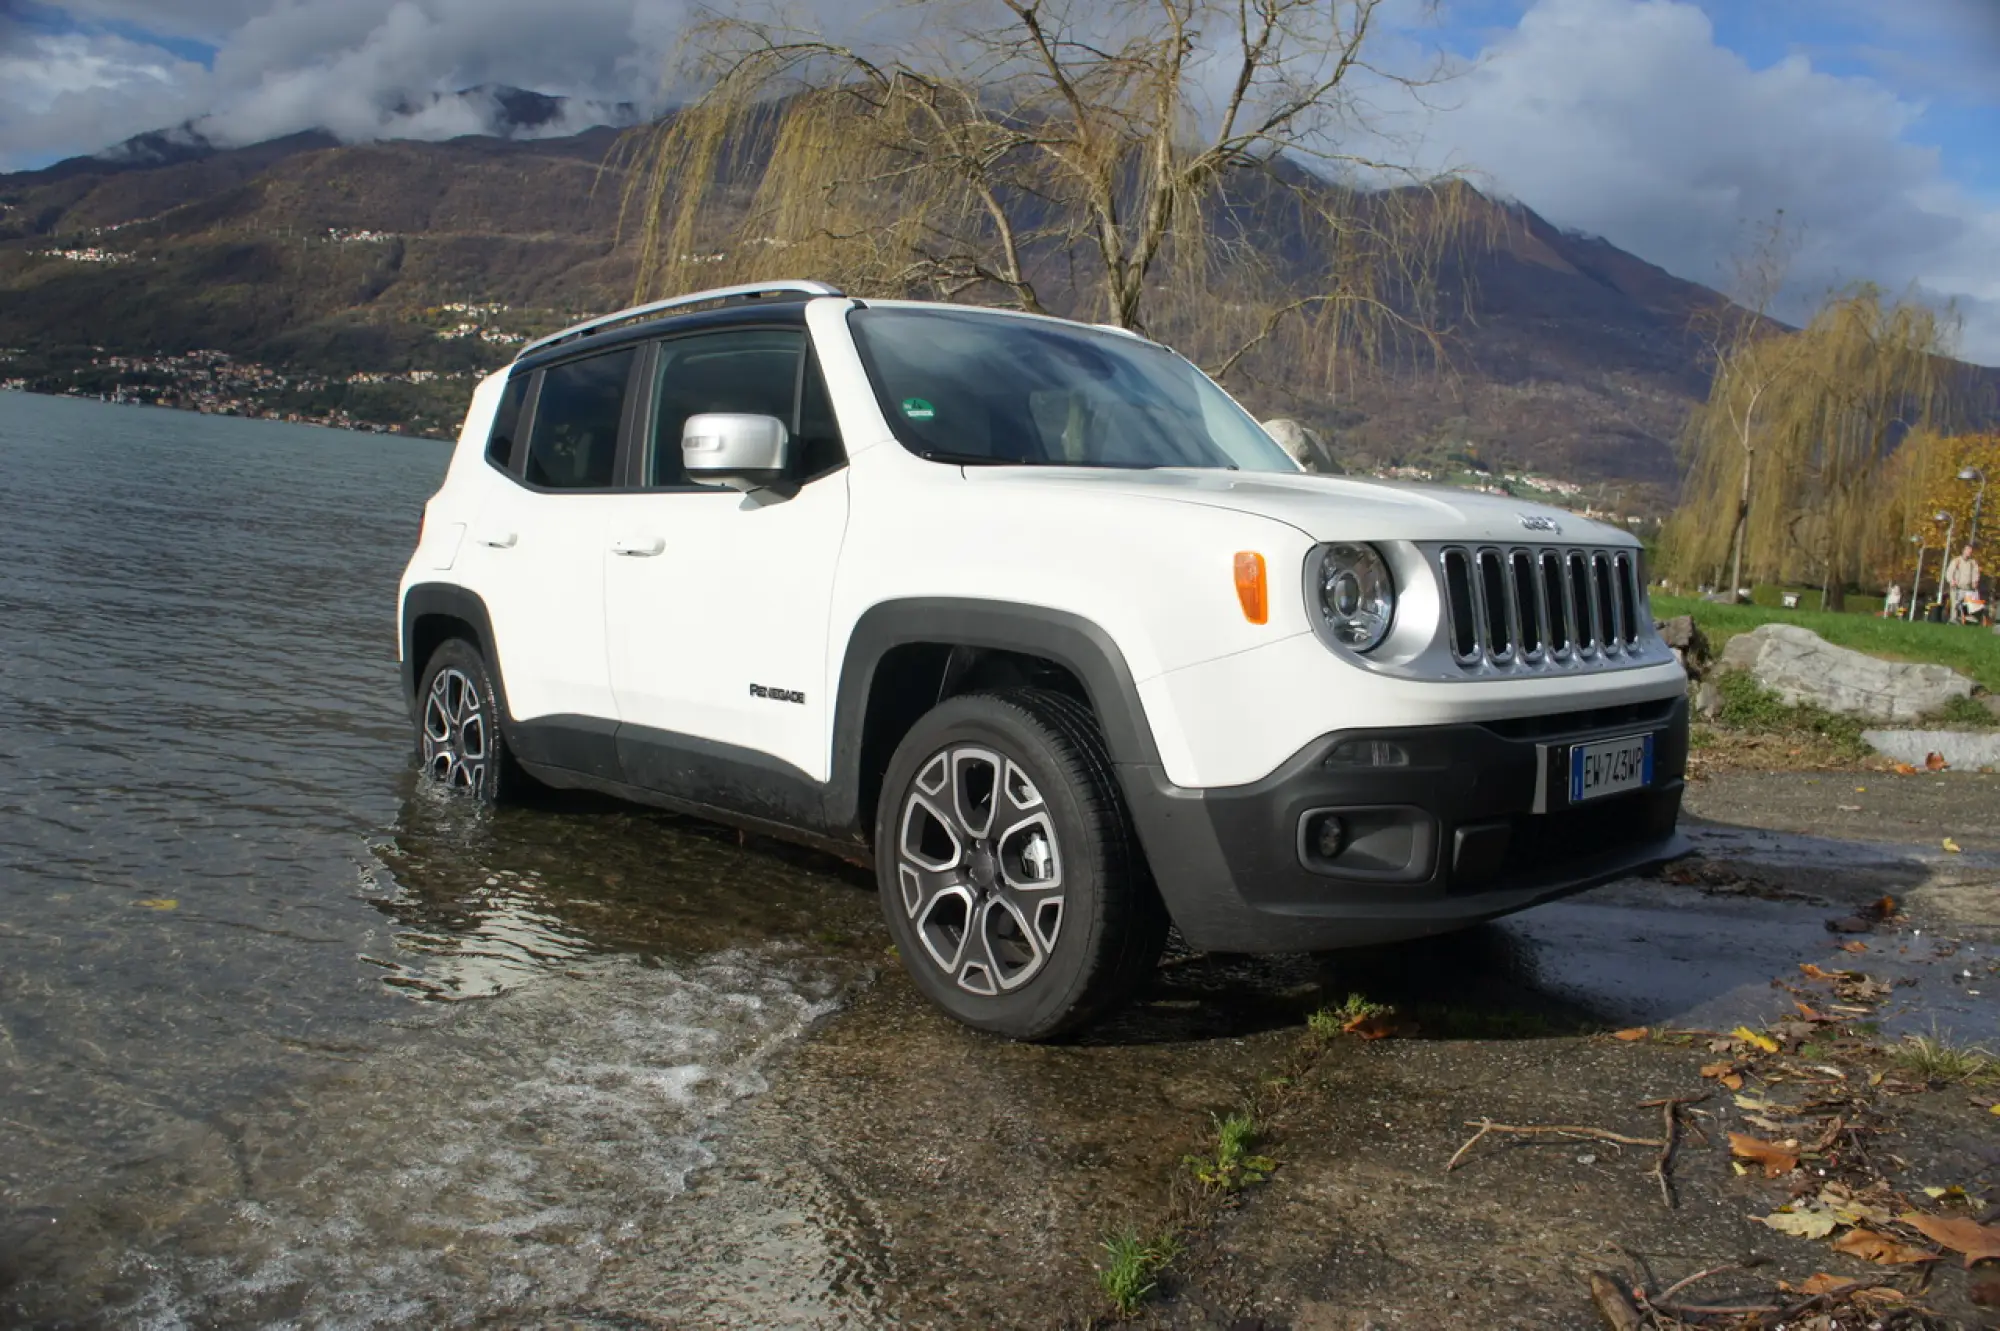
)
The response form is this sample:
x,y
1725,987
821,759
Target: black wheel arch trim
x,y
445,600
1076,644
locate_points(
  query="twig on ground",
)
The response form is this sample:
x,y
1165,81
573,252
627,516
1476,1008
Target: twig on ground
x,y
1486,1125
1680,1285
1670,1108
1714,1309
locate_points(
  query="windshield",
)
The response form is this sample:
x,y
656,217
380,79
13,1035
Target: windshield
x,y
970,387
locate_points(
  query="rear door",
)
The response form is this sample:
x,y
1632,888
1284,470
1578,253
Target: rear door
x,y
536,552
718,603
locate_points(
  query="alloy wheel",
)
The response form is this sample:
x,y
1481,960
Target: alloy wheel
x,y
980,869
455,731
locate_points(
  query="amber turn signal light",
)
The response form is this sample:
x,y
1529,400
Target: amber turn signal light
x,y
1252,588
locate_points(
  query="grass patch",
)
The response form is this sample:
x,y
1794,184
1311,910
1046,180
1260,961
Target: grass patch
x,y
1934,1057
1964,714
1132,1267
1973,652
1748,705
1331,1021
1232,1165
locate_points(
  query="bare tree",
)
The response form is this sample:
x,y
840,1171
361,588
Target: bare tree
x,y
1191,168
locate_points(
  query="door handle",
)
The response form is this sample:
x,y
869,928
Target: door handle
x,y
499,540
639,545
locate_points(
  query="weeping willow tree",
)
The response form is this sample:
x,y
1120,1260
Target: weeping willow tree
x,y
1187,168
1798,441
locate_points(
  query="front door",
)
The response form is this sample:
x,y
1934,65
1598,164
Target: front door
x,y
717,603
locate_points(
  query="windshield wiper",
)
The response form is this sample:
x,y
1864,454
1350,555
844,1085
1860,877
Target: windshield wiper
x,y
967,459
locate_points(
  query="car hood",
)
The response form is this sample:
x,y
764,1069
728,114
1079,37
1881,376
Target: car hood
x,y
1326,508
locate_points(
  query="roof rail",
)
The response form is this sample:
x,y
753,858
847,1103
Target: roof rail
x,y
747,291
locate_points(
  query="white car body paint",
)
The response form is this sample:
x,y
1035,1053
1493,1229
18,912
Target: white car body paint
x,y
769,592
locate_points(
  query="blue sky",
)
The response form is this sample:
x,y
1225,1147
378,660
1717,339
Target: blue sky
x,y
1666,126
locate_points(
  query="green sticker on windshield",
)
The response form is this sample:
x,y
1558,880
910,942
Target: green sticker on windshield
x,y
917,409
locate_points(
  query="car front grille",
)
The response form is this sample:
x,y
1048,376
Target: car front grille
x,y
1543,608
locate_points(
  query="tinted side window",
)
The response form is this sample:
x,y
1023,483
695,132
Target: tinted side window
x,y
816,447
751,369
506,419
574,440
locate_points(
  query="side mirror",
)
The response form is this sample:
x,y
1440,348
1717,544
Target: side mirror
x,y
742,451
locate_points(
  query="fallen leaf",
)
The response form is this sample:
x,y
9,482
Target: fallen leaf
x,y
1810,1015
1978,1242
1635,1033
1852,1210
1720,1069
1855,946
158,903
1812,972
1880,1248
1840,1285
1994,1109
1951,845
1848,808
1801,1224
1369,1028
1750,1037
1734,1081
1904,769
1776,1159
1935,762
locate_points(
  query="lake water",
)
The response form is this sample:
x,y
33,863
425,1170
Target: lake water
x,y
233,929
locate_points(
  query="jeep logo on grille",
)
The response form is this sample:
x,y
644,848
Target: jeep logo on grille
x,y
1534,522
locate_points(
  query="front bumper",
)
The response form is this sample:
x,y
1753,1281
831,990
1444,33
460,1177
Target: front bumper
x,y
1476,825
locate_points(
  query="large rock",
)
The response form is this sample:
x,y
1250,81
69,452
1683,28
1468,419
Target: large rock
x,y
1962,750
1690,644
1307,446
1802,667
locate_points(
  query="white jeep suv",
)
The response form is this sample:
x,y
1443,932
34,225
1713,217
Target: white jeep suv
x,y
1033,617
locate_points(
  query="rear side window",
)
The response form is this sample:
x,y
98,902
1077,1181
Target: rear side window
x,y
573,443
507,419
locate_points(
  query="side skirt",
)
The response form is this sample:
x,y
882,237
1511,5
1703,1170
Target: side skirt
x,y
684,774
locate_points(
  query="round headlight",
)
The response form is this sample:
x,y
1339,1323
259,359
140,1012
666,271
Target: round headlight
x,y
1357,597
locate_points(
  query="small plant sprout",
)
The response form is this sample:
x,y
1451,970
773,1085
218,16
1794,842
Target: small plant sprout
x,y
1132,1266
1331,1021
1232,1166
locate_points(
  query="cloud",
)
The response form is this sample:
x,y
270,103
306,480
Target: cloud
x,y
1626,119
72,92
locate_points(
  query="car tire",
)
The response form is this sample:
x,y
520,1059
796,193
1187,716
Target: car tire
x,y
1012,881
460,743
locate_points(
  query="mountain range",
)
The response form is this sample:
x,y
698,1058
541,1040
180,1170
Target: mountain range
x,y
329,261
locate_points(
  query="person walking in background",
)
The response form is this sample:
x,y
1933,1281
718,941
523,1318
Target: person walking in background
x,y
1892,604
1961,579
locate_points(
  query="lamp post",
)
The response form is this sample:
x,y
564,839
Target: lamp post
x,y
1950,521
1917,580
1916,589
1974,474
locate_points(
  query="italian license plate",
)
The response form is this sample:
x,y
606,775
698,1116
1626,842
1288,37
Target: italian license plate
x,y
1605,768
